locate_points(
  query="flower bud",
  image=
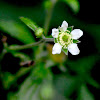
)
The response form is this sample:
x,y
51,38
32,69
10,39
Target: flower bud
x,y
39,32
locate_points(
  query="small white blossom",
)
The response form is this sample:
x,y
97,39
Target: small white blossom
x,y
65,39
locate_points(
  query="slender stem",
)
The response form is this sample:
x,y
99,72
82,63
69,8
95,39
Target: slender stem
x,y
48,17
20,47
49,40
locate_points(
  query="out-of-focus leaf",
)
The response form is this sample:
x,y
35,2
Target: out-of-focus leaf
x,y
33,86
16,30
8,79
92,82
59,96
91,29
38,31
66,85
11,96
84,94
74,5
47,91
21,55
83,65
42,72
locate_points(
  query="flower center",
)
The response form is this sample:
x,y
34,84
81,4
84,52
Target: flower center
x,y
65,39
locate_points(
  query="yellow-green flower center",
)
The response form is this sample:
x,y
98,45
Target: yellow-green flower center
x,y
64,39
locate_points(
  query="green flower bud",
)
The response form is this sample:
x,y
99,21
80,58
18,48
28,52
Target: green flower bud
x,y
39,32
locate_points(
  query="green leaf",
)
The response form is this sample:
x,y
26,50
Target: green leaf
x,y
65,51
84,94
76,41
81,66
11,96
66,85
40,80
16,30
22,56
70,28
92,82
73,4
8,79
32,25
29,23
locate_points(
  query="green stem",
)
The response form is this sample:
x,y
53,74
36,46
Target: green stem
x,y
48,17
20,47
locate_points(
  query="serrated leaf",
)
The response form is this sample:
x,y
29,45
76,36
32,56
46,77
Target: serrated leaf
x,y
65,51
17,31
76,41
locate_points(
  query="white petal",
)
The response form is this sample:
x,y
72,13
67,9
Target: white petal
x,y
55,32
64,25
56,48
73,49
76,33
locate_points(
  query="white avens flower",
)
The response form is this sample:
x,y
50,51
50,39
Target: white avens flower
x,y
66,39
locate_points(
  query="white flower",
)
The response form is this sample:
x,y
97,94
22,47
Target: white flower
x,y
66,39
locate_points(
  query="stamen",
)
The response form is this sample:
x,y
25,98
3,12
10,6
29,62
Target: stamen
x,y
65,39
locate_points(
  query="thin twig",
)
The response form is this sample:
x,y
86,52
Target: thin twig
x,y
20,47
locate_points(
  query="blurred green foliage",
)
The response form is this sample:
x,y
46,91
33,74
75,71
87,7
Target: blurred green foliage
x,y
42,83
